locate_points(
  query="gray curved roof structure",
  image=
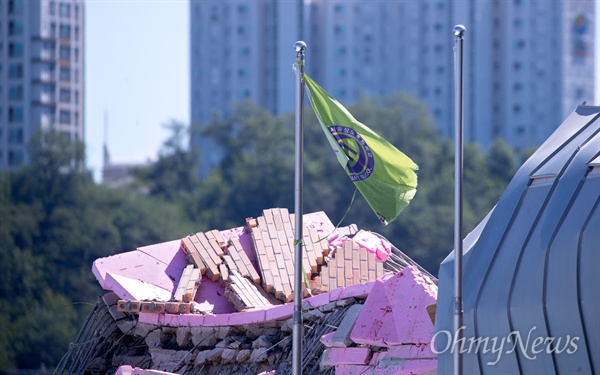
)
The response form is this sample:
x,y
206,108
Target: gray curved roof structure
x,y
531,284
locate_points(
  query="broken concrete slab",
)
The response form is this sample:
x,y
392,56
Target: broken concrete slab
x,y
341,337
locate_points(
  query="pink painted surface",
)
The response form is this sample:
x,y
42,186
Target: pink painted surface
x,y
318,300
150,318
184,320
326,339
394,312
335,294
375,324
373,244
127,288
280,312
419,367
346,356
247,317
336,239
160,265
402,352
320,222
170,254
128,370
210,298
358,290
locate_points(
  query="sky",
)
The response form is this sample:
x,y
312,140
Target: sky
x,y
137,76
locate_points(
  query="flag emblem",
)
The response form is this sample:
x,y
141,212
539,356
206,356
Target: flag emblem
x,y
360,158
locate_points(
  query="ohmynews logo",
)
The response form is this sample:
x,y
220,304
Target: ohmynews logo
x,y
529,347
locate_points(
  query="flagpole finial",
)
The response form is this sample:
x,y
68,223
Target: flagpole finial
x,y
300,46
459,31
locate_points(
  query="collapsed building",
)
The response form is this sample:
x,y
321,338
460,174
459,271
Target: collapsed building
x,y
220,302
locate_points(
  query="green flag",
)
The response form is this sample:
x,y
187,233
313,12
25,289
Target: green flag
x,y
384,176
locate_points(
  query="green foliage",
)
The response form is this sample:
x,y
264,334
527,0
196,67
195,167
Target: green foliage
x,y
257,172
55,221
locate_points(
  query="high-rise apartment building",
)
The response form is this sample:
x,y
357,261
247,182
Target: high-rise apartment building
x,y
240,49
528,64
41,73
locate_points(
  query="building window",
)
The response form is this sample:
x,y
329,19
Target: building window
x,y
64,10
15,28
52,8
243,94
15,114
15,136
76,33
339,72
76,97
15,7
244,51
15,71
64,96
15,93
76,11
15,158
65,31
65,53
243,9
339,30
15,49
339,8
64,117
520,43
65,74
340,51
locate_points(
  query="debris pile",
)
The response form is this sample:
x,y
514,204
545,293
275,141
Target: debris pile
x,y
217,302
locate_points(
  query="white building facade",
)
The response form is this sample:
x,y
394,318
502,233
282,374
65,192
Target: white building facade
x,y
41,73
528,64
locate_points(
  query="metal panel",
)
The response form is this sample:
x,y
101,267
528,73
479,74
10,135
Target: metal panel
x,y
493,297
522,247
589,280
562,284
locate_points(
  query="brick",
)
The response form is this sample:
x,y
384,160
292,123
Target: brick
x,y
128,306
251,222
210,257
220,241
177,307
153,307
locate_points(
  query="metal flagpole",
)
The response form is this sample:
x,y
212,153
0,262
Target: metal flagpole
x,y
459,31
300,48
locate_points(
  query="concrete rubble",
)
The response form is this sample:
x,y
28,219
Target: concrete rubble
x,y
359,318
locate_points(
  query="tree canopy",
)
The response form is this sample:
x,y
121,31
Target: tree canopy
x,y
55,220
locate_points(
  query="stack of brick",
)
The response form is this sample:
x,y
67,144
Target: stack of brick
x,y
205,251
350,265
273,238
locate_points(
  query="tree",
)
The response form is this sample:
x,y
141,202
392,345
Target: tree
x,y
174,173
